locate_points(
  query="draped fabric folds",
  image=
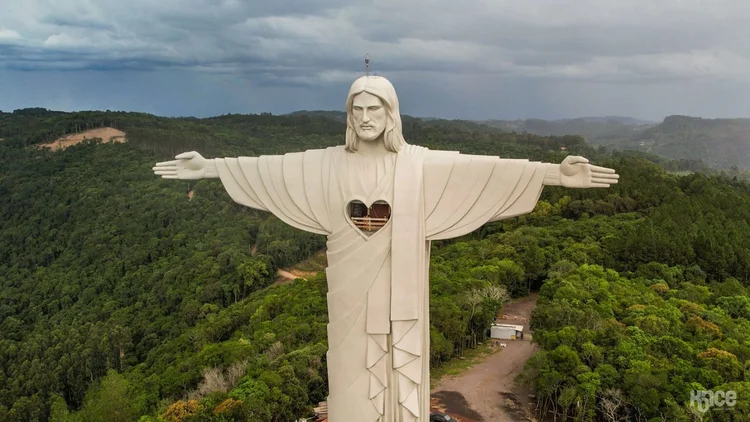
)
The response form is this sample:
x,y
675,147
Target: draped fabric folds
x,y
378,287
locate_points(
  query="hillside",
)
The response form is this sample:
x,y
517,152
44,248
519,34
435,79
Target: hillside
x,y
596,130
718,143
105,134
123,299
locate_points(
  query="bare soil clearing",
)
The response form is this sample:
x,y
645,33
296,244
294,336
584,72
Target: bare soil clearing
x,y
107,134
312,266
488,391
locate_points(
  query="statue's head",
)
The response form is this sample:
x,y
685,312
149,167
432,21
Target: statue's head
x,y
372,114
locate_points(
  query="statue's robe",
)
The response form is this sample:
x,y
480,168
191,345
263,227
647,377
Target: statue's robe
x,y
378,293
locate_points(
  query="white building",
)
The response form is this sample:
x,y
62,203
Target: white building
x,y
506,331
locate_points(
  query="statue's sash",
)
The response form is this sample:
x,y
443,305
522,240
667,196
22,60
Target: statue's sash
x,y
408,236
408,278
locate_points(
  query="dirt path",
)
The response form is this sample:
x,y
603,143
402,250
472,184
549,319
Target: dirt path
x,y
285,274
488,392
289,274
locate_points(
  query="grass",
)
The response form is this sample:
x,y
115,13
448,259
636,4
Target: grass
x,y
457,365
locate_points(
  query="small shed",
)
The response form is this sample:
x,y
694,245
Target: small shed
x,y
506,331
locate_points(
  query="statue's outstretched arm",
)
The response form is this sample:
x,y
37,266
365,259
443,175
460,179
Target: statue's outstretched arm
x,y
576,172
187,166
274,183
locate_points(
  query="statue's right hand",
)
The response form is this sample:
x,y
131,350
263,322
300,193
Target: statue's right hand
x,y
187,166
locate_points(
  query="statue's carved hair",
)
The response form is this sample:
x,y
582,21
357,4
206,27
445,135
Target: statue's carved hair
x,y
381,88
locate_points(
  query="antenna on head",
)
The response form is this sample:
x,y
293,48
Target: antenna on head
x,y
367,64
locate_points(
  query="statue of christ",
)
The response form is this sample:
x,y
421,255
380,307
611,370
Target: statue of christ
x,y
378,294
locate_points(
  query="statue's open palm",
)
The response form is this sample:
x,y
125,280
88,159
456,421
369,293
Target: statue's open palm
x,y
576,172
187,166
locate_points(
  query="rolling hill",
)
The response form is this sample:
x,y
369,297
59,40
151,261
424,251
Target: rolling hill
x,y
719,143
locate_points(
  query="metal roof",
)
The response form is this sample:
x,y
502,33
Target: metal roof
x,y
515,327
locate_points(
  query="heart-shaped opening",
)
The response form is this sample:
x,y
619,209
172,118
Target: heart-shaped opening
x,y
368,219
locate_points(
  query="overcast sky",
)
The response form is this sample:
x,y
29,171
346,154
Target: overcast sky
x,y
447,58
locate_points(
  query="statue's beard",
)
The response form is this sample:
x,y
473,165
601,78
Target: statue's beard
x,y
369,135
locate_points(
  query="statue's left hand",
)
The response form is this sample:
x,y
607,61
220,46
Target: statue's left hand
x,y
576,172
187,166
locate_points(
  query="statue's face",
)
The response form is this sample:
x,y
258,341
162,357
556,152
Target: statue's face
x,y
369,116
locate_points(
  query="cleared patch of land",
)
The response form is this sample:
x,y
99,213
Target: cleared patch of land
x,y
304,270
488,391
106,134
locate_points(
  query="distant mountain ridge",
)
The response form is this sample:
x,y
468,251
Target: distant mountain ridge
x,y
631,121
718,143
596,130
722,144
338,116
407,120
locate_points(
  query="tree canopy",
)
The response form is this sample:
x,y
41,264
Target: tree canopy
x,y
121,297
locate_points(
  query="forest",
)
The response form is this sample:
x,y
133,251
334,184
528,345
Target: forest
x,y
122,298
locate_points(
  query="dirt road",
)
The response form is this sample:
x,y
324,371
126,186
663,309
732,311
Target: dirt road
x,y
488,392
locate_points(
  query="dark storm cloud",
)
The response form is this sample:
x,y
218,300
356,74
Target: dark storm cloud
x,y
492,49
